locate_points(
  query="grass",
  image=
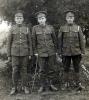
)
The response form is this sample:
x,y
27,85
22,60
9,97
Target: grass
x,y
5,85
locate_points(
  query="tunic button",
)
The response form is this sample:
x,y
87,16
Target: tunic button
x,y
20,36
20,40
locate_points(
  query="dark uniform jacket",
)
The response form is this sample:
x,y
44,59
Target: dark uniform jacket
x,y
44,40
19,41
71,41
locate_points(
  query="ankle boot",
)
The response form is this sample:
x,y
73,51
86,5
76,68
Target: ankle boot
x,y
13,91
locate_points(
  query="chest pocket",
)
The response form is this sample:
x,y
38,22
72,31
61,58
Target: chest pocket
x,y
76,32
15,31
24,30
16,34
48,34
39,33
73,33
65,33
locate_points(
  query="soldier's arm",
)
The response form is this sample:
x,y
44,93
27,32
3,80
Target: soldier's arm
x,y
54,39
81,39
9,43
60,41
34,41
29,42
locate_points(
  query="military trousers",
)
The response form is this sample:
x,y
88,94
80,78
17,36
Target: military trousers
x,y
76,63
47,70
19,69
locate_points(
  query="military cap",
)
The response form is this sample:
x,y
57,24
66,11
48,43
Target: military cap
x,y
19,13
70,12
41,14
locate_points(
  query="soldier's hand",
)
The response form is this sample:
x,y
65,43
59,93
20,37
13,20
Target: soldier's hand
x,y
9,59
56,54
29,57
59,59
36,55
82,55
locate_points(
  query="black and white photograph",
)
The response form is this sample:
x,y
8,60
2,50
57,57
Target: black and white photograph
x,y
44,49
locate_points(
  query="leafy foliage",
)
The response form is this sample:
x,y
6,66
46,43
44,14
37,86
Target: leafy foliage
x,y
55,9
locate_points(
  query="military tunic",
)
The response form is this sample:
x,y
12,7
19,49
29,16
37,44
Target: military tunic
x,y
44,40
19,47
19,41
71,40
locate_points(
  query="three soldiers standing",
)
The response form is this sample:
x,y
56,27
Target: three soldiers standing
x,y
44,42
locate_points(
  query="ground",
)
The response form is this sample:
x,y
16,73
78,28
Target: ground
x,y
61,95
5,86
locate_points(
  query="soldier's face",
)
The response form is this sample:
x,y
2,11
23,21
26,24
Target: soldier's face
x,y
42,20
70,18
19,19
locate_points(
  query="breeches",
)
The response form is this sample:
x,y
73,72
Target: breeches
x,y
19,65
47,69
76,62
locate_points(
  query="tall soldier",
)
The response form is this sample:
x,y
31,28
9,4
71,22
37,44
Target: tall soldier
x,y
19,50
72,46
44,45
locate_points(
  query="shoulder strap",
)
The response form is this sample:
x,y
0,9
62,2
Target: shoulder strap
x,y
78,36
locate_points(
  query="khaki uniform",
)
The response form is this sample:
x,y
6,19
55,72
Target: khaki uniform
x,y
71,46
71,40
19,47
44,44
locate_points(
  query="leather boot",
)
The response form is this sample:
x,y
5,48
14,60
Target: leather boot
x,y
26,90
13,91
66,84
41,89
78,84
53,88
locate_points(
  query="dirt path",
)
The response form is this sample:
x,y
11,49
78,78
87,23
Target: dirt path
x,y
49,96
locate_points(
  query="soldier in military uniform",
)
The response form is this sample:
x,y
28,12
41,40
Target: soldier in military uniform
x,y
71,46
44,46
19,50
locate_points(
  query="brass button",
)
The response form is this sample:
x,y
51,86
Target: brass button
x,y
20,36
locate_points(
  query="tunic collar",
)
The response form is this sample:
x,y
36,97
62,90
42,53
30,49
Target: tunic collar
x,y
43,26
